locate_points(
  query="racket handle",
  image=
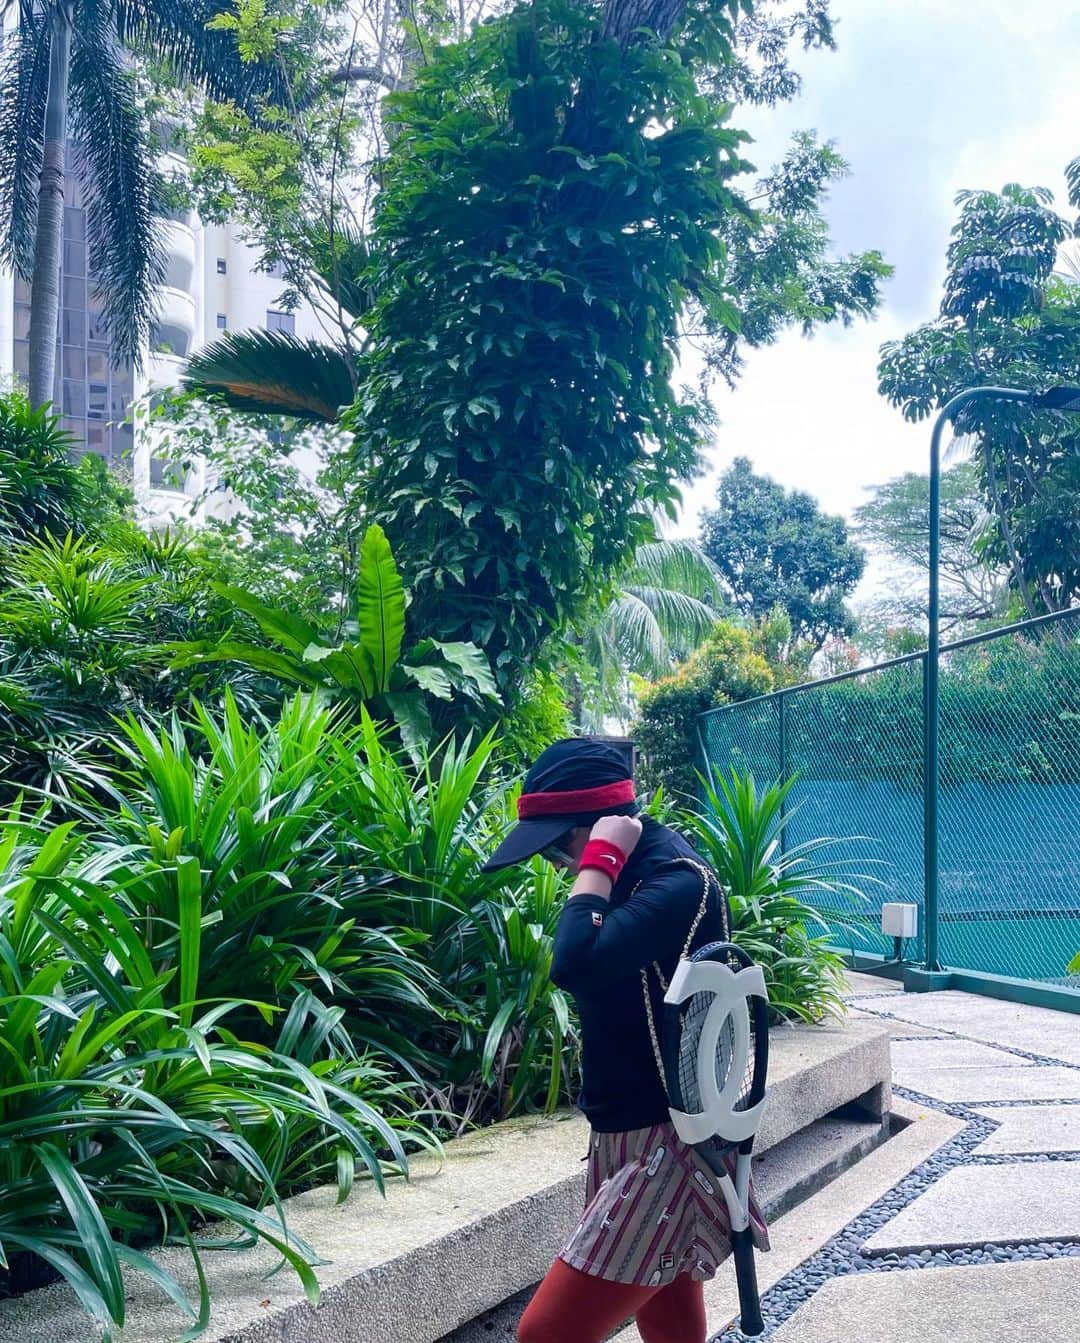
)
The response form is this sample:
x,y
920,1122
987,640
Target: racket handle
x,y
750,1321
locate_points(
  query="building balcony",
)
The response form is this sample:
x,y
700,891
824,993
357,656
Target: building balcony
x,y
174,330
164,370
179,245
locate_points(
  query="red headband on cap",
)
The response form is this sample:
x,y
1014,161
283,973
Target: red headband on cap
x,y
569,804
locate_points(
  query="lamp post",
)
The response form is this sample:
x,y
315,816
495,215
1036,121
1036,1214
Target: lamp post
x,y
1054,398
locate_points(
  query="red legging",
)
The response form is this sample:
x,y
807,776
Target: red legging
x,y
572,1307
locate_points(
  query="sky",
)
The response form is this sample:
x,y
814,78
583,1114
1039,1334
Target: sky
x,y
923,100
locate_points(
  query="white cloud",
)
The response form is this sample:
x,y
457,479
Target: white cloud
x,y
924,100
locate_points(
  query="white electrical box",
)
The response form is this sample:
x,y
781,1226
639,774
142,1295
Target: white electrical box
x,y
900,920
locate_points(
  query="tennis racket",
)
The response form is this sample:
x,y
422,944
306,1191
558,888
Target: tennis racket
x,y
715,1058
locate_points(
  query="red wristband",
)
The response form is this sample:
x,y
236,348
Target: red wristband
x,y
603,856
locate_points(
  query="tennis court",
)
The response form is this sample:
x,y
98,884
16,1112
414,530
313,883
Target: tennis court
x,y
1009,800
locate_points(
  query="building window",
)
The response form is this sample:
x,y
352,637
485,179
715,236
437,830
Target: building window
x,y
277,270
222,322
221,267
280,321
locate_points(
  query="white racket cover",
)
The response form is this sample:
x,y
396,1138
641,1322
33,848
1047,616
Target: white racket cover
x,y
730,989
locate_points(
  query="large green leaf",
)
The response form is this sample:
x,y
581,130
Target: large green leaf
x,y
350,665
284,628
380,605
274,373
471,663
413,720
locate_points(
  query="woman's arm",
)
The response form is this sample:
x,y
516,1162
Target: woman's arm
x,y
596,945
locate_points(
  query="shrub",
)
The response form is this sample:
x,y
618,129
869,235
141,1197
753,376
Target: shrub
x,y
130,1108
738,833
727,666
502,1040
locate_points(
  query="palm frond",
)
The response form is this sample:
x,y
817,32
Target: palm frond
x,y
1072,177
176,32
273,373
682,620
342,264
677,565
637,635
24,88
120,185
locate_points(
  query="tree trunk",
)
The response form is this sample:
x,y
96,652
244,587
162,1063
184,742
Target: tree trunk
x,y
49,228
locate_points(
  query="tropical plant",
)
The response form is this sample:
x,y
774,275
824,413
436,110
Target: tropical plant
x,y
370,667
129,1106
242,815
72,54
84,624
39,487
778,894
505,1040
664,604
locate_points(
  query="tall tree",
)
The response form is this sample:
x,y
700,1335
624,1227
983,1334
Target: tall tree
x,y
289,183
553,209
893,522
65,76
1006,318
775,547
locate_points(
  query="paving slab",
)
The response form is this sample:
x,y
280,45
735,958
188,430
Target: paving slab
x,y
974,1085
1034,1128
916,1055
862,1010
802,1232
871,984
988,1304
1040,1030
993,1204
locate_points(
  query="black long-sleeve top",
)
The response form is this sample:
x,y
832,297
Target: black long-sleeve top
x,y
599,963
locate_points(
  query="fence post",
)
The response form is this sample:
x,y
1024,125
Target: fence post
x,y
931,781
783,770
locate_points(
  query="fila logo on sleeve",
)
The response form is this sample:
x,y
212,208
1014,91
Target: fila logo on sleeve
x,y
598,919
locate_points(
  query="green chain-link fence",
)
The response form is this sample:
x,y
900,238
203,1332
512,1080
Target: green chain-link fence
x,y
1009,830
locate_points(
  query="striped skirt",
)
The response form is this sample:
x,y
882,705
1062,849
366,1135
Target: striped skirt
x,y
654,1209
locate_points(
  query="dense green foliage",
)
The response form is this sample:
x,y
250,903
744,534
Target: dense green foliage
x,y
1007,320
729,665
533,263
774,547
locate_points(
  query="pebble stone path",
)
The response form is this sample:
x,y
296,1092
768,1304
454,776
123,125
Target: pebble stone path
x,y
973,1059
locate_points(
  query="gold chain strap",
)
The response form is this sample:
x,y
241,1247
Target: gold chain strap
x,y
706,877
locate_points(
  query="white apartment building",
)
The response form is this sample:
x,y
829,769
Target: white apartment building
x,y
211,286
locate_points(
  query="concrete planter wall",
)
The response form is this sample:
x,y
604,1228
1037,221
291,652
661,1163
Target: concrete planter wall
x,y
460,1237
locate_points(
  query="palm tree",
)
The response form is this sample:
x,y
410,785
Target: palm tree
x,y
665,604
72,57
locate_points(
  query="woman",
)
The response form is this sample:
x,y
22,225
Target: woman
x,y
655,1225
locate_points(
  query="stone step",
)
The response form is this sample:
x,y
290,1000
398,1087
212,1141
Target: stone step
x,y
799,1166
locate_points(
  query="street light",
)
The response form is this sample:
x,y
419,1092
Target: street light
x,y
1052,398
